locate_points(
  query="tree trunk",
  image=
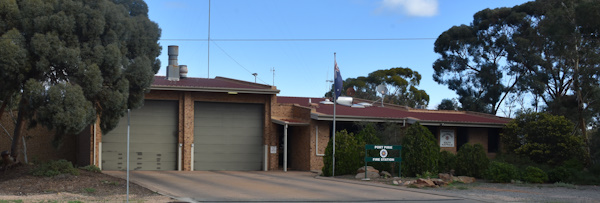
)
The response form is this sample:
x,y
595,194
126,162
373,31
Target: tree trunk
x,y
16,142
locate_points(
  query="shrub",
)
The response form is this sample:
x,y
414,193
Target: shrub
x,y
347,155
535,175
544,138
91,168
559,174
471,160
53,168
420,152
501,172
447,162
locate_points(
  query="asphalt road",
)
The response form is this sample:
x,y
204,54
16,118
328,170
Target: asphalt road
x,y
272,186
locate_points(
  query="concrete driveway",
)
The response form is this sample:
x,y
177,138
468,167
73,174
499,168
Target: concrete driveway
x,y
272,186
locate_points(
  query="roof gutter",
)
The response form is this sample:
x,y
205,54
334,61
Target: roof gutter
x,y
324,117
408,120
216,89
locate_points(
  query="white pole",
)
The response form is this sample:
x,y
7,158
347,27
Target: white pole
x,y
334,101
128,125
285,148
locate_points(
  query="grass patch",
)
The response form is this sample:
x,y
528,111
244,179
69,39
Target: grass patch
x,y
115,183
76,201
89,190
11,201
91,168
54,168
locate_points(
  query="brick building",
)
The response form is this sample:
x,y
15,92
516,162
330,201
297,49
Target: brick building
x,y
227,124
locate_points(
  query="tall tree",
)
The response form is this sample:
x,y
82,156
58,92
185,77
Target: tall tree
x,y
473,61
401,84
548,48
72,61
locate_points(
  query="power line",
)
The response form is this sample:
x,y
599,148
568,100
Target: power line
x,y
238,62
292,40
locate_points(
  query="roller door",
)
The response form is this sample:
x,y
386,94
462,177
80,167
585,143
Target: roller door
x,y
153,139
228,136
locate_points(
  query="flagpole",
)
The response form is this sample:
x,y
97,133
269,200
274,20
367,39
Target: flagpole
x,y
334,101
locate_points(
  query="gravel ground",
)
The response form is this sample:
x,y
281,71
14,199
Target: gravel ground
x,y
504,192
498,192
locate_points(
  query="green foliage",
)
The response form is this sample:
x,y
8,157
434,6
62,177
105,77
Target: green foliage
x,y
530,44
54,168
91,168
535,175
543,138
401,83
350,151
70,60
471,160
595,146
501,172
447,162
448,104
559,174
427,175
420,152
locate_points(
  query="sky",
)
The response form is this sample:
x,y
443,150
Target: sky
x,y
298,39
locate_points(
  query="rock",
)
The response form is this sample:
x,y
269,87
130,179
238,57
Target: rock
x,y
425,182
370,174
385,174
369,168
395,182
446,177
466,179
440,182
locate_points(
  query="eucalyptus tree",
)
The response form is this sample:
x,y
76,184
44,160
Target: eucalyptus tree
x,y
71,62
401,84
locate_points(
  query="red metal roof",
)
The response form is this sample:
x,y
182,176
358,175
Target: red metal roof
x,y
397,112
218,82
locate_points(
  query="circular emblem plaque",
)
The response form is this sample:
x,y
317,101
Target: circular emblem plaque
x,y
383,153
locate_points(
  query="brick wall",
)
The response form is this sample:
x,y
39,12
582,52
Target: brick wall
x,y
479,136
322,137
38,141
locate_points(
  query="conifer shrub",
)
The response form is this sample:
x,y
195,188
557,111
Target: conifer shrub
x,y
347,157
420,152
501,172
447,162
471,160
535,175
559,174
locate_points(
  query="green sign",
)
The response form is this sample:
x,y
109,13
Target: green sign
x,y
383,153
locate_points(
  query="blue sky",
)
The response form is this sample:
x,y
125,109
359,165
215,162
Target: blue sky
x,y
303,66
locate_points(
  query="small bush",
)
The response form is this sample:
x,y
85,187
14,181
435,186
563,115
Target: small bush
x,y
535,175
501,172
447,161
420,152
54,168
427,175
559,174
471,160
347,157
91,168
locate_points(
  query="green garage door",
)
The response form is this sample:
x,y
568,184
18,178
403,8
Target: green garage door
x,y
153,139
228,136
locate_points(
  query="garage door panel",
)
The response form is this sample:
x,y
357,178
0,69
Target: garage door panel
x,y
153,139
227,166
228,136
230,140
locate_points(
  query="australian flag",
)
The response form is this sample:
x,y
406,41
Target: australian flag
x,y
337,81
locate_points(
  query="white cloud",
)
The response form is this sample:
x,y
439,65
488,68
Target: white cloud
x,y
421,8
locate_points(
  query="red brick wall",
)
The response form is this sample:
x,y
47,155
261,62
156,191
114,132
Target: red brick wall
x,y
38,141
